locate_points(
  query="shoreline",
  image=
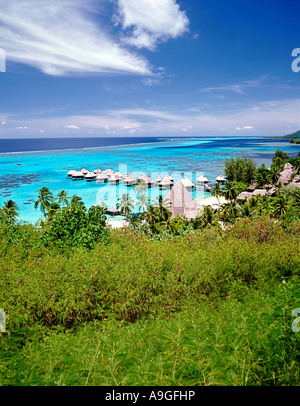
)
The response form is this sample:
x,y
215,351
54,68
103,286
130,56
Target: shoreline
x,y
212,201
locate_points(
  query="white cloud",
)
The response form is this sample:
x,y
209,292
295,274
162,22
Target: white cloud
x,y
246,127
62,38
238,87
3,122
273,117
72,126
151,21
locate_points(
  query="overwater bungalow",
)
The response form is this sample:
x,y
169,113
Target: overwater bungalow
x,y
97,171
108,172
220,179
187,183
201,180
76,175
149,182
158,180
70,173
114,179
129,179
102,178
84,171
90,176
166,183
119,174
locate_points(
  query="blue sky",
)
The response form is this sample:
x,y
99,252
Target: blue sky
x,y
148,68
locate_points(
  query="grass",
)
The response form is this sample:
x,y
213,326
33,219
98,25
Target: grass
x,y
209,308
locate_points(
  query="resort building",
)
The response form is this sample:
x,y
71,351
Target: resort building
x,y
187,183
102,178
220,179
201,180
129,179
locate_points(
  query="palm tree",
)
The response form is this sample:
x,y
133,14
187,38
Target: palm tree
x,y
143,201
274,174
125,204
280,205
162,207
230,192
10,209
75,199
139,187
217,191
229,212
280,158
51,210
262,176
208,217
151,216
62,197
262,206
45,198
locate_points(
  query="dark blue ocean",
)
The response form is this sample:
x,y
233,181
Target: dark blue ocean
x,y
28,164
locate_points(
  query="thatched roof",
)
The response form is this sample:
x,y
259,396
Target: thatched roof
x,y
220,178
77,174
70,173
102,176
182,202
251,187
114,178
244,195
202,179
294,184
261,192
187,182
129,178
146,179
84,171
90,175
108,172
166,181
288,166
169,177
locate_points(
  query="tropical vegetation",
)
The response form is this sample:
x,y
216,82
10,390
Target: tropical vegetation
x,y
162,302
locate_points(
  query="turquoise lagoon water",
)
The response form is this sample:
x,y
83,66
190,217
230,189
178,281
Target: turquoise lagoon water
x,y
176,156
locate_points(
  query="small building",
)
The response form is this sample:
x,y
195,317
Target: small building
x,y
220,179
166,183
201,180
114,179
148,181
261,192
102,178
244,195
76,175
187,183
251,187
129,179
90,176
294,184
70,173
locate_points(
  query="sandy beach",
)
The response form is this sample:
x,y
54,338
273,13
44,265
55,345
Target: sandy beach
x,y
212,201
